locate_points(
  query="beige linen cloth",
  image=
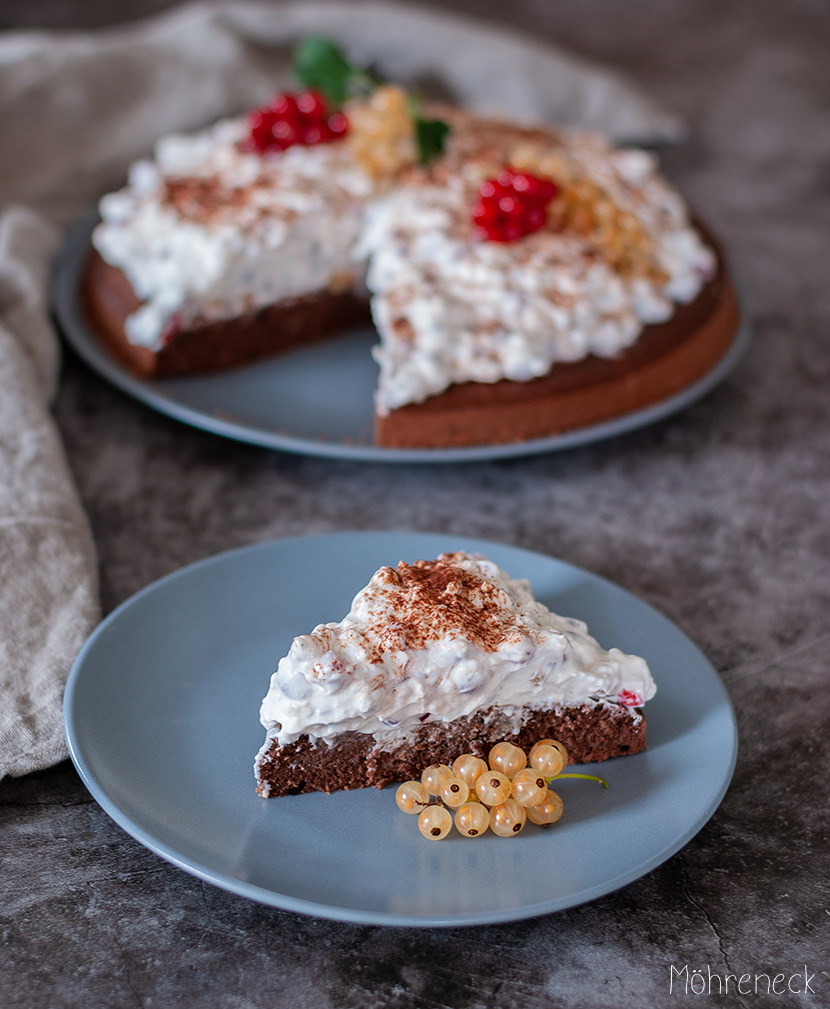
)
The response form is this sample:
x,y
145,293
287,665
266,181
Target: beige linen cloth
x,y
75,110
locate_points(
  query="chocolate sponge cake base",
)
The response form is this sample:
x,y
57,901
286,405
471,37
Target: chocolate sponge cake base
x,y
590,733
206,347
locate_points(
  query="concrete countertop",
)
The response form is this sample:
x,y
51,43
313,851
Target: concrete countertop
x,y
719,517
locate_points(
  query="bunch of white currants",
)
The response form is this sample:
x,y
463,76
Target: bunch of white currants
x,y
500,794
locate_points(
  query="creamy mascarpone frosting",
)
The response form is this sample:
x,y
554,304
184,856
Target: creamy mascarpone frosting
x,y
207,231
452,310
441,640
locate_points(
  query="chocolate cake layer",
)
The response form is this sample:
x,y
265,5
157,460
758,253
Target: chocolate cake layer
x,y
356,761
108,299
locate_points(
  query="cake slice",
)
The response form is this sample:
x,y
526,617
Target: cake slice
x,y
214,255
435,659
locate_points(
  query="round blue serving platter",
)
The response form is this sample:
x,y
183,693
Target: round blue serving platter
x,y
161,714
316,400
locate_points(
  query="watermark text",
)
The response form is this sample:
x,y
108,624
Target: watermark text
x,y
693,981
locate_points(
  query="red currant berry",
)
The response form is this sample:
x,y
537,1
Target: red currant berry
x,y
289,119
260,133
535,219
524,183
283,104
485,211
312,104
337,125
511,206
312,135
512,232
285,132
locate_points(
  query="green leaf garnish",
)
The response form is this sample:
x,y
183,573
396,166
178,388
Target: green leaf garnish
x,y
430,137
319,63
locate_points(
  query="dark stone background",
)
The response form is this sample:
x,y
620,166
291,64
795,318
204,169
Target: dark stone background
x,y
719,517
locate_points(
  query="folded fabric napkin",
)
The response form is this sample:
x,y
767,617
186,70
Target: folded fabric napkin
x,y
48,584
75,110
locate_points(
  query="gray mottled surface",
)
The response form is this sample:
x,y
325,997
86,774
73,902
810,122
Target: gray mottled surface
x,y
719,517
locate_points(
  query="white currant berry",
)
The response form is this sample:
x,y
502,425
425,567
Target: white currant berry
x,y
507,818
411,797
529,787
382,131
547,811
434,776
549,757
472,819
454,792
507,758
434,822
493,788
468,768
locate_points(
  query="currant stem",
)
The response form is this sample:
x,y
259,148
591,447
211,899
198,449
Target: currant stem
x,y
587,777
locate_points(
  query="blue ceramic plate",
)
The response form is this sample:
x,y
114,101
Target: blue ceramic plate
x,y
317,400
162,721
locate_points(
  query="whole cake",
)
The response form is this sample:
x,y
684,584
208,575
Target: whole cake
x,y
435,659
522,281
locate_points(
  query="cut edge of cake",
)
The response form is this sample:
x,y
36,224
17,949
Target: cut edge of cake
x,y
590,733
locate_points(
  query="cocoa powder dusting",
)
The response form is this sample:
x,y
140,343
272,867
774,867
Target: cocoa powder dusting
x,y
433,599
199,199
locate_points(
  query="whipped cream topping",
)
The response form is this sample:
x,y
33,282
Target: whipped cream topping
x,y
453,310
436,641
208,231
